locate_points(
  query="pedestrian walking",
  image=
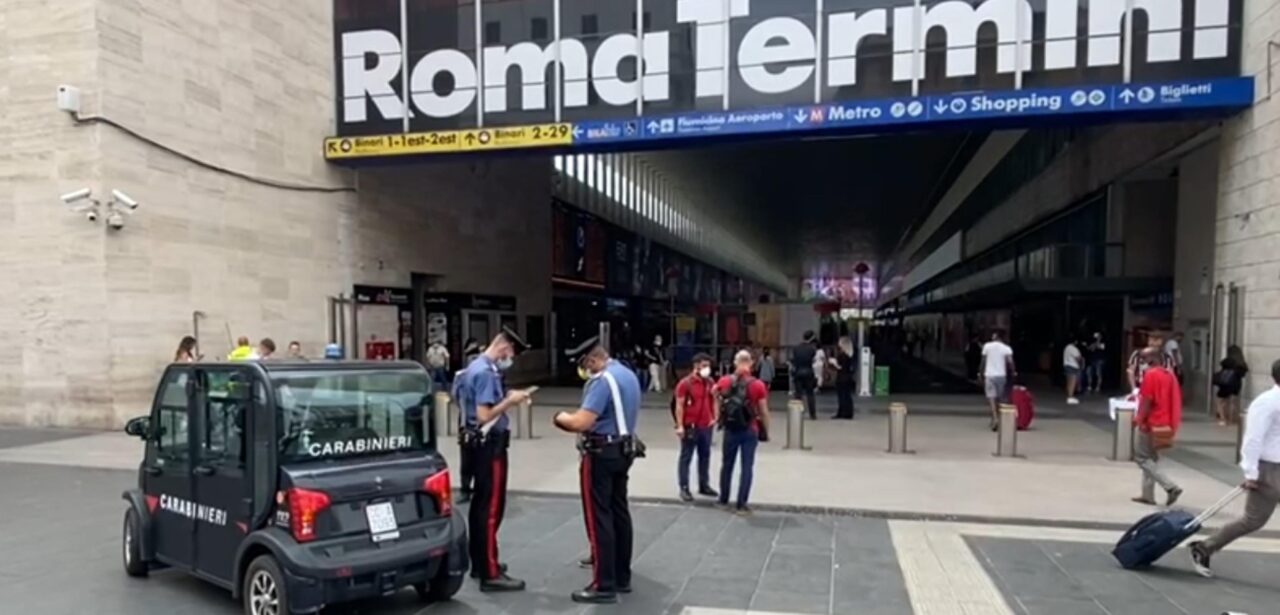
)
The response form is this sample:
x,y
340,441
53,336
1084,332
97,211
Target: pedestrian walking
x,y
996,372
657,365
1173,352
819,367
804,382
438,363
485,404
186,352
1158,419
744,415
1097,360
1260,460
846,365
606,423
767,370
1072,360
973,358
695,417
1138,367
1229,381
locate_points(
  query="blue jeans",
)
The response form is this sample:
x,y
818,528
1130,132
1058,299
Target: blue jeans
x,y
735,441
699,439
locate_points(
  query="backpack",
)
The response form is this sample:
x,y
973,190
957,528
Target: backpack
x,y
736,411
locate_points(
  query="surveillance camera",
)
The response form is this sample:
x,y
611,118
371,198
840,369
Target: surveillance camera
x,y
115,221
78,195
91,215
124,199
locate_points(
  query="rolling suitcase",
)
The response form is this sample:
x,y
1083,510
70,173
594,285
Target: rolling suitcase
x,y
1158,533
1026,405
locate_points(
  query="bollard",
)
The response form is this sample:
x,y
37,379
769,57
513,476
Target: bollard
x,y
1240,421
524,420
1122,436
452,427
1007,432
440,418
898,428
795,425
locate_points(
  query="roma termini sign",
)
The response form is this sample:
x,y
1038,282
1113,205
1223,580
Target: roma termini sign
x,y
564,68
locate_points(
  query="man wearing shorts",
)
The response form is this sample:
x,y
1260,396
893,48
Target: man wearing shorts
x,y
995,373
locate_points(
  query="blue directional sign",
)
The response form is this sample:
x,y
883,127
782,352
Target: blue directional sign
x,y
1128,101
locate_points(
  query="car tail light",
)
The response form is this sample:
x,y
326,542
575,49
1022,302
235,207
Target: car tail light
x,y
440,487
304,506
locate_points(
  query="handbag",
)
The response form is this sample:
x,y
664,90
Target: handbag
x,y
1162,437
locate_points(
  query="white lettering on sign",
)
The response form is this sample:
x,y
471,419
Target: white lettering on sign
x,y
193,510
775,56
358,446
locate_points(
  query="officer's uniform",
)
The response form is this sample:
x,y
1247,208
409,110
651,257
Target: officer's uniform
x,y
607,452
464,460
486,450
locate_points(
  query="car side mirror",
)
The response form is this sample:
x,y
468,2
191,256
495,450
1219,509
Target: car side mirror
x,y
139,427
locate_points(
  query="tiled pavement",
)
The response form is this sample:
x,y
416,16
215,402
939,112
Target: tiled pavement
x,y
689,561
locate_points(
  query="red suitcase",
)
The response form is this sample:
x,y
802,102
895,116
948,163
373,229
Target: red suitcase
x,y
1026,405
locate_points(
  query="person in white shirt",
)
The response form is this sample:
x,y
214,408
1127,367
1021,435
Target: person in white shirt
x,y
438,363
1071,363
996,371
1260,460
819,366
1173,354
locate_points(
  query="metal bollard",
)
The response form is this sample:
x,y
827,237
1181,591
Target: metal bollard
x,y
524,420
795,425
1122,436
1240,421
1007,432
898,428
440,418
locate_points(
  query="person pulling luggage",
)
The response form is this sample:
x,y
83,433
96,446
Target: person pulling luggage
x,y
1158,418
606,423
1260,460
486,435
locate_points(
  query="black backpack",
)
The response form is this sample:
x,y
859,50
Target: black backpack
x,y
735,410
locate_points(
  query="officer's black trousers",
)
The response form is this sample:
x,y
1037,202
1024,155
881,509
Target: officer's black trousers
x,y
608,517
488,505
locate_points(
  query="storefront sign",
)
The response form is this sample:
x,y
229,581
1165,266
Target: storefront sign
x,y
855,66
445,302
382,295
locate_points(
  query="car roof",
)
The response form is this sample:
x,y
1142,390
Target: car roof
x,y
326,365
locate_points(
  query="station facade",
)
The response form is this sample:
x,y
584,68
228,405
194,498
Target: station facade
x,y
237,127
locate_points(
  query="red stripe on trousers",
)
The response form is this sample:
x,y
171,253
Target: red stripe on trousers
x,y
589,509
496,493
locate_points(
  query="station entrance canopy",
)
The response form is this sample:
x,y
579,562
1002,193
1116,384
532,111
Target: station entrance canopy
x,y
581,74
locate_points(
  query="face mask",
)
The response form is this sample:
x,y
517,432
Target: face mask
x,y
505,363
583,373
705,372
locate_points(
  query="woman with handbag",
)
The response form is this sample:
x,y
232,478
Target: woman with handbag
x,y
1158,418
1229,381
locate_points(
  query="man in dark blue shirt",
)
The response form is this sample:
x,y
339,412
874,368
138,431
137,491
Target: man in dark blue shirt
x,y
607,422
484,405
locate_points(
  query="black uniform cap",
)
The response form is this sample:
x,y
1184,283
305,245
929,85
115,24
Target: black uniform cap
x,y
517,343
583,350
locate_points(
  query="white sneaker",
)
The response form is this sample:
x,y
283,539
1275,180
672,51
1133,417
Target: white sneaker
x,y
1071,401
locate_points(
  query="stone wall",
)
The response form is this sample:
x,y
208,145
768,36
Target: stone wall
x,y
1248,218
255,235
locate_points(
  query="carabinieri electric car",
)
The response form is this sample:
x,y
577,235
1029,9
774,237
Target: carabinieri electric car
x,y
295,485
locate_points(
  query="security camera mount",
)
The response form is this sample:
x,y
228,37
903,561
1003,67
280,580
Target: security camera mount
x,y
112,212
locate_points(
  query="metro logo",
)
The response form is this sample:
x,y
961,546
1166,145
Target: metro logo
x,y
775,56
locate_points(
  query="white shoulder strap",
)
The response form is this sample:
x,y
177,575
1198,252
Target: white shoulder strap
x,y
619,416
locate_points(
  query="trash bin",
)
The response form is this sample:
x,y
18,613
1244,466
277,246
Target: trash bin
x,y
882,380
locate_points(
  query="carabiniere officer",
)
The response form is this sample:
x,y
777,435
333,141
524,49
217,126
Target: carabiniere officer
x,y
486,436
607,424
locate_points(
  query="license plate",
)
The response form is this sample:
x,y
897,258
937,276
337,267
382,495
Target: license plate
x,y
382,521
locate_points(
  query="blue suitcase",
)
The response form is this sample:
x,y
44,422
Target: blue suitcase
x,y
1159,533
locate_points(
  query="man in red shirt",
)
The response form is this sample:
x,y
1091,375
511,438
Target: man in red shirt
x,y
742,403
695,414
1158,418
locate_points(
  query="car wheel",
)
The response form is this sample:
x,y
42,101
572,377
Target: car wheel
x,y
131,539
442,587
264,590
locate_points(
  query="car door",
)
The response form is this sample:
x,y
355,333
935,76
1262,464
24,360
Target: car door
x,y
167,469
224,410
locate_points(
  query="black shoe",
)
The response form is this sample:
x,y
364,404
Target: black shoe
x,y
624,589
463,497
743,511
475,572
1174,494
502,583
685,496
1200,559
592,596
586,562
709,492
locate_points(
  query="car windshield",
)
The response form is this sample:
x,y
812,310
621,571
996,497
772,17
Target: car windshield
x,y
335,414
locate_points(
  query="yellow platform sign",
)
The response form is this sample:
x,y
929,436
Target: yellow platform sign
x,y
449,141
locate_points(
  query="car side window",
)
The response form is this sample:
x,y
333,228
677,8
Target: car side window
x,y
170,438
224,414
